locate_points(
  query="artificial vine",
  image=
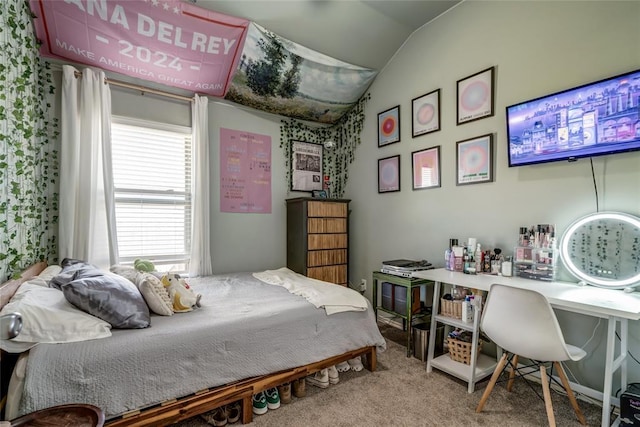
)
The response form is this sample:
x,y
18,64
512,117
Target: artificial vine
x,y
28,157
335,160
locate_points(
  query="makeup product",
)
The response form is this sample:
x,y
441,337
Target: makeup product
x,y
478,259
506,267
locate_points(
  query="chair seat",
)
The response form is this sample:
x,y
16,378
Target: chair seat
x,y
576,353
523,323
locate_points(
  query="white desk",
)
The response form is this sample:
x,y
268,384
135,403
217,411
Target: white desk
x,y
613,305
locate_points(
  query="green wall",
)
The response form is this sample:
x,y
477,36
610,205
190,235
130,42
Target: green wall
x,y
28,148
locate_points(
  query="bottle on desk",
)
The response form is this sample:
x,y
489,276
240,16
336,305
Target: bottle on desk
x,y
507,267
449,256
478,258
467,309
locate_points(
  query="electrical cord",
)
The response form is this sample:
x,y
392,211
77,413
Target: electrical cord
x,y
628,352
595,186
593,334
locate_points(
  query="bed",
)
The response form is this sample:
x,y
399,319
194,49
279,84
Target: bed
x,y
247,336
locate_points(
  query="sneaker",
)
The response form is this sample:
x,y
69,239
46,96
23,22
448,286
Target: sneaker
x,y
319,379
284,391
260,404
273,399
355,364
333,375
299,388
217,417
233,412
343,367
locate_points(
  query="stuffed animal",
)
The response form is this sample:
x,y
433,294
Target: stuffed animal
x,y
181,295
144,266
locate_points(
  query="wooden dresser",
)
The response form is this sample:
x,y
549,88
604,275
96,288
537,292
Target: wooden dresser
x,y
318,238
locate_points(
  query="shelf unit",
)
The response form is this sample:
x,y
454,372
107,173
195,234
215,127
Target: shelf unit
x,y
481,365
409,284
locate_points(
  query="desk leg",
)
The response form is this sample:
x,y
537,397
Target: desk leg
x,y
409,322
608,370
374,297
435,307
624,342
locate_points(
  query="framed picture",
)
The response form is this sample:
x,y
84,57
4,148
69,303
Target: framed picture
x,y
425,113
389,126
425,168
306,166
475,96
320,194
474,160
389,174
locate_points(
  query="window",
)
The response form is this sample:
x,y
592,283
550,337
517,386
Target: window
x,y
152,189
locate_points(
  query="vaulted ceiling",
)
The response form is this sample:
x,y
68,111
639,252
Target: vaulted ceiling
x,y
361,32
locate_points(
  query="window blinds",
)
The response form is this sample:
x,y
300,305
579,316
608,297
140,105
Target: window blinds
x,y
152,185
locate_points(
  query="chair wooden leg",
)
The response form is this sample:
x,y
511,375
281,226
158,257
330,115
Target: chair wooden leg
x,y
492,382
512,373
570,395
547,396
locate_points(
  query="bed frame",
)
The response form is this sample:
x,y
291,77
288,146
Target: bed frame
x,y
202,401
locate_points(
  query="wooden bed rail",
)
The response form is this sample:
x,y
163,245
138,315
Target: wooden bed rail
x,y
7,289
181,409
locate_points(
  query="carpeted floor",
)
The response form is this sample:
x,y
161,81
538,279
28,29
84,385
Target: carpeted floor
x,y
401,393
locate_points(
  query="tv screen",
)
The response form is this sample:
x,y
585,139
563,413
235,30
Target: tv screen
x,y
595,119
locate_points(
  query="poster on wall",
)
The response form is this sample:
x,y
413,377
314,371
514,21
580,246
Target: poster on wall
x,y
245,172
306,166
170,42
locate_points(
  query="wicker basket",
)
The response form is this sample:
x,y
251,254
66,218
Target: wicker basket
x,y
451,308
460,351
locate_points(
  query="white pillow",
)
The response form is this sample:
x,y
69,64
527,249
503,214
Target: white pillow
x,y
155,294
47,317
45,276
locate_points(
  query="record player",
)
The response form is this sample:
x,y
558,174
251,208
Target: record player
x,y
404,267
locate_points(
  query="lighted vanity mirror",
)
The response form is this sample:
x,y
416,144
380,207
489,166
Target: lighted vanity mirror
x,y
603,249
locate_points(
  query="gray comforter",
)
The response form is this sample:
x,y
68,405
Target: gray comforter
x,y
244,328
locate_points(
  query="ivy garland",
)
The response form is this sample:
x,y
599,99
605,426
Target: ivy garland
x,y
336,160
28,157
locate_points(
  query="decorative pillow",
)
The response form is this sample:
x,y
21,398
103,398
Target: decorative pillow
x,y
155,294
111,298
105,295
47,317
150,286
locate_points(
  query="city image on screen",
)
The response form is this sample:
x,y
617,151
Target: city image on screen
x,y
595,119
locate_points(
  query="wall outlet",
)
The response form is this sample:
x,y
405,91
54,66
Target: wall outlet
x,y
363,285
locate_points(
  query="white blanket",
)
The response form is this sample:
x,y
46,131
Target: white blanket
x,y
333,298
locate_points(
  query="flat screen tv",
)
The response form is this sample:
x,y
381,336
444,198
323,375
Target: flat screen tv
x,y
595,119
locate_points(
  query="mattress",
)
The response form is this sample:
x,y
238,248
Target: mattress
x,y
245,328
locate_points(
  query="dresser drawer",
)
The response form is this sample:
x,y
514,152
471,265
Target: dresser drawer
x,y
327,257
326,241
332,209
327,225
335,274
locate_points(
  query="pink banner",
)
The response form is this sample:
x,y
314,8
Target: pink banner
x,y
245,172
165,41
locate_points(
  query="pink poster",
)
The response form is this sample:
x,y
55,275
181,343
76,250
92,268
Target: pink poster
x,y
245,172
165,41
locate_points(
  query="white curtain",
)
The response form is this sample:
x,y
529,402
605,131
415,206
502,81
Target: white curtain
x,y
87,215
200,264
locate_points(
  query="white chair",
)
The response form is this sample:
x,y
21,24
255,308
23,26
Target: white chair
x,y
523,324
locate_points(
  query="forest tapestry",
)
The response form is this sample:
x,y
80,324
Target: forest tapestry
x,y
281,77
